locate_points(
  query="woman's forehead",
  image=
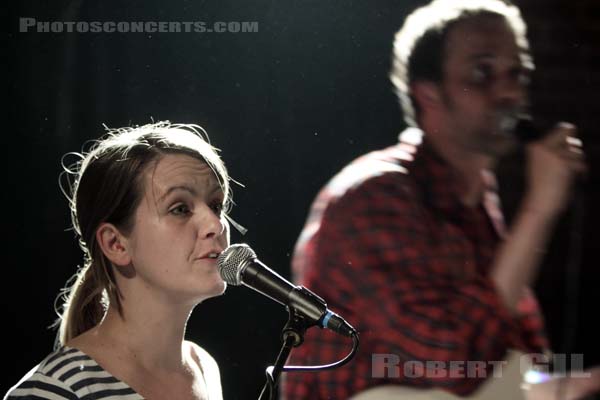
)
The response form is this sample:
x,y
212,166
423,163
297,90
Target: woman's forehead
x,y
179,170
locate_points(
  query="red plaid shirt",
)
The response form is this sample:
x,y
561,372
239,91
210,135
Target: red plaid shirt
x,y
390,247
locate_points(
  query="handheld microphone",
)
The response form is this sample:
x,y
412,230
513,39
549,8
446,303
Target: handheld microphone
x,y
520,126
238,265
526,130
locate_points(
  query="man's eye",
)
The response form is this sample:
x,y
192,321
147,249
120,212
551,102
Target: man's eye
x,y
523,77
181,209
481,74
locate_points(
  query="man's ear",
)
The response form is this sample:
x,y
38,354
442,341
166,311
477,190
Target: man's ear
x,y
113,244
427,94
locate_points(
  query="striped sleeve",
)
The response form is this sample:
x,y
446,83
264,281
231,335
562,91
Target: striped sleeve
x,y
71,374
39,386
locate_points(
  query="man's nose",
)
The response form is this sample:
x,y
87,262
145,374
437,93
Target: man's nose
x,y
510,92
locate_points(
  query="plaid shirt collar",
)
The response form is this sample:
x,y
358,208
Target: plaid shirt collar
x,y
440,183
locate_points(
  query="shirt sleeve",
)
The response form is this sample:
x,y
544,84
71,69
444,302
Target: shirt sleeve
x,y
39,386
371,256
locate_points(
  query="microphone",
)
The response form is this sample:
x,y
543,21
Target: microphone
x,y
526,130
520,126
238,265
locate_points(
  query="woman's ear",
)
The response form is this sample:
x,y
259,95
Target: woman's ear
x,y
113,244
427,94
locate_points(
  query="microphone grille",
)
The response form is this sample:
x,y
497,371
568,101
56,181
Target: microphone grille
x,y
231,262
527,131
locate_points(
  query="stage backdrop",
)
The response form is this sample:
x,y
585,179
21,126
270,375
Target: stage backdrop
x,y
290,100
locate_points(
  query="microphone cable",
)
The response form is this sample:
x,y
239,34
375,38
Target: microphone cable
x,y
270,385
572,277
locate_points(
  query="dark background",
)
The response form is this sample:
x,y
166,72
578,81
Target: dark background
x,y
289,106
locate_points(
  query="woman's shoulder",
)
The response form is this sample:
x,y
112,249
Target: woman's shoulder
x,y
208,367
68,373
46,379
201,357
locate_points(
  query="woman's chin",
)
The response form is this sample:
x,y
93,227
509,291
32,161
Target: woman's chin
x,y
218,289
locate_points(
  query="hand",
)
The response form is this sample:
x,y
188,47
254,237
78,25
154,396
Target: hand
x,y
566,388
553,164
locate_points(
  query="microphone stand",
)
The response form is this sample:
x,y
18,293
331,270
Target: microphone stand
x,y
292,336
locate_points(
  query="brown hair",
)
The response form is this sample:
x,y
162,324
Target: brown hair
x,y
419,46
105,185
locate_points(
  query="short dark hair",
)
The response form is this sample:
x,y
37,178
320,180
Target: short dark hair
x,y
419,45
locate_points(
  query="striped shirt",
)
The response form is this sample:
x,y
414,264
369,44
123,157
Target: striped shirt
x,y
70,374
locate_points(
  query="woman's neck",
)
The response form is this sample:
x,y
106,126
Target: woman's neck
x,y
149,336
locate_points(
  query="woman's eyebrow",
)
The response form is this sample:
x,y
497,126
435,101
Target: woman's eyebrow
x,y
172,189
189,189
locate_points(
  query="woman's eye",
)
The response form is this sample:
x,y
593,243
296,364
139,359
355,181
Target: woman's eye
x,y
217,207
181,209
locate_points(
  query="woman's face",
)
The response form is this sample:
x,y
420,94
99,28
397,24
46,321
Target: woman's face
x,y
179,230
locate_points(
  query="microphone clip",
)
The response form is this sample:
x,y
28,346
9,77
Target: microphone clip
x,y
295,327
306,310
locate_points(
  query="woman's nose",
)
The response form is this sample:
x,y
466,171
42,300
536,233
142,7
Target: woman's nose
x,y
211,224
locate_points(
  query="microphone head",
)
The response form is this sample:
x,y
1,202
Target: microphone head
x,y
526,130
231,262
519,125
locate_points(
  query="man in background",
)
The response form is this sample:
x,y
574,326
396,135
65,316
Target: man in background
x,y
409,242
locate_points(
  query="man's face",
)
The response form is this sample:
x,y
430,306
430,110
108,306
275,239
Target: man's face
x,y
484,79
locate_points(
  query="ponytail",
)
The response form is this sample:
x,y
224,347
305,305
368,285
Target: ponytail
x,y
86,300
83,307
